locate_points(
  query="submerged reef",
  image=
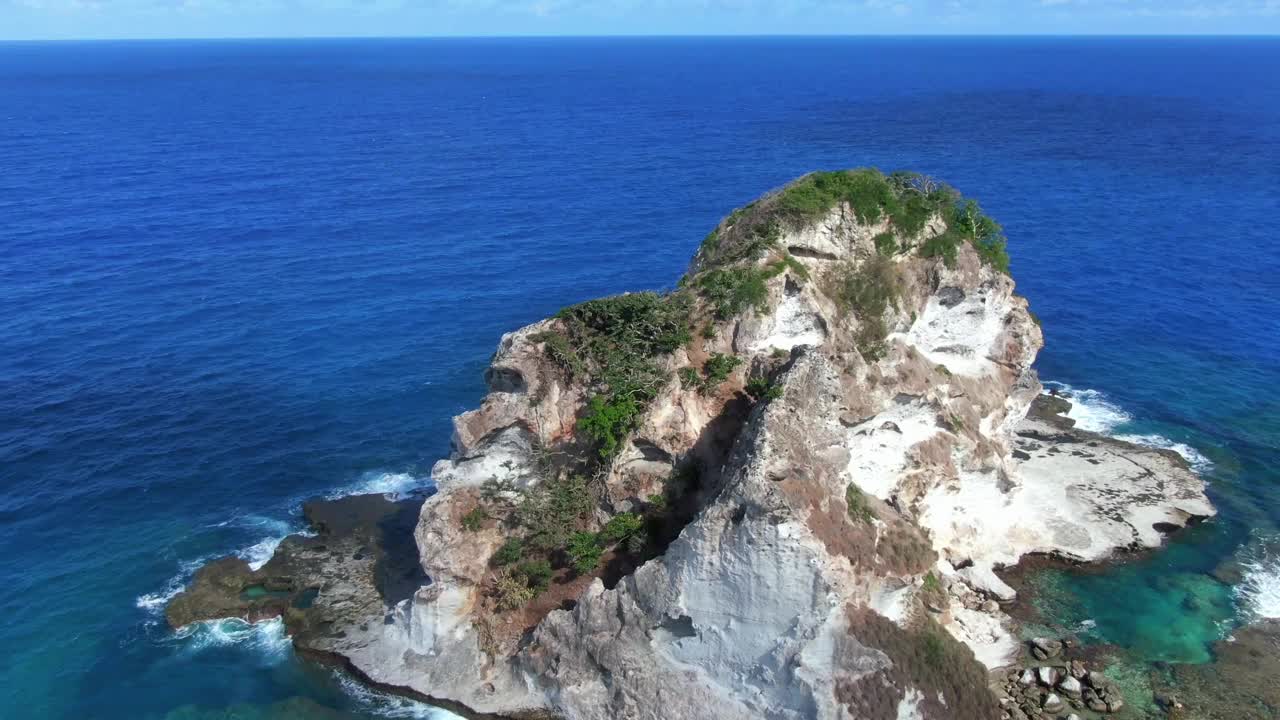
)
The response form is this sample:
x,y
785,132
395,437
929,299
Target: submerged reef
x,y
780,490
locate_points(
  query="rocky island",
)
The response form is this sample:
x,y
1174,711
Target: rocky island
x,y
781,490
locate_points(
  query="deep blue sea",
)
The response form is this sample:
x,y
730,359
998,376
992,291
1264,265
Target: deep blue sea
x,y
234,275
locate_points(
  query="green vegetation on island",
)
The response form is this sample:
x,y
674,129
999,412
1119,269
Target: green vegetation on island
x,y
618,349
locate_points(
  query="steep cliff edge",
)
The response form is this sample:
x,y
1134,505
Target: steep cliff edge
x,y
778,491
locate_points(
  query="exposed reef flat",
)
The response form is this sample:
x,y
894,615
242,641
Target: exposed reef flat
x,y
359,558
1082,495
1115,493
780,491
1239,685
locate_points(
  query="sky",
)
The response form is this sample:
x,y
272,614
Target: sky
x,y
76,19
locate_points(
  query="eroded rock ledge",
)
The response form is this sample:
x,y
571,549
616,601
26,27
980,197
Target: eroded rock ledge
x,y
780,491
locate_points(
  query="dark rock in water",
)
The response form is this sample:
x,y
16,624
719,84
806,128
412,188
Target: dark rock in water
x,y
1241,683
1052,409
1229,572
361,560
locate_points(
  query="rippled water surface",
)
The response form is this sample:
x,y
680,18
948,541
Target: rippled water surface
x,y
237,274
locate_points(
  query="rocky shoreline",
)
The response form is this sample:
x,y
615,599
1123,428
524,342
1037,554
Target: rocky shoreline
x,y
782,490
1052,682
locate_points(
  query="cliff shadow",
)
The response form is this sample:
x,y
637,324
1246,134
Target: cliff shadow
x,y
695,479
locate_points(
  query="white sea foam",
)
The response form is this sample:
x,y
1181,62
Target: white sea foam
x,y
392,485
256,554
275,529
1259,593
1198,462
266,639
1091,409
154,602
1094,411
260,552
390,706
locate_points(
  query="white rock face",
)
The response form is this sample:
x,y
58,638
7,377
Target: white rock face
x,y
1078,496
745,614
880,447
777,601
959,330
795,323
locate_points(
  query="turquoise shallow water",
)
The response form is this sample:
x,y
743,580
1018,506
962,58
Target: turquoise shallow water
x,y
1171,606
234,275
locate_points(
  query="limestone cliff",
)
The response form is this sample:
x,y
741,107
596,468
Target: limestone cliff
x,y
779,491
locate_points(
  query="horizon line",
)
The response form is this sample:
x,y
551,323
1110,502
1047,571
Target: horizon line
x,y
641,36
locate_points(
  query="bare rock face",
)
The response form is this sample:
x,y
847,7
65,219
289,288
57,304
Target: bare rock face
x,y
781,491
761,608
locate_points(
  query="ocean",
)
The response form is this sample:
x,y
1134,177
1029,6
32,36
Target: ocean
x,y
238,274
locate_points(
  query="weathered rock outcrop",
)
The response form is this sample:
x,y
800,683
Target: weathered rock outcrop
x,y
803,465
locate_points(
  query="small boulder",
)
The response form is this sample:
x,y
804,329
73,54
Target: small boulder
x,y
1053,703
1097,679
1070,687
1028,678
1114,704
1048,676
1078,670
1046,648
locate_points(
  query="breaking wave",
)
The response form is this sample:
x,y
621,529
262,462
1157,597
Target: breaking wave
x,y
1091,409
1094,411
154,602
256,554
390,706
392,485
1198,462
266,640
1258,594
274,530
